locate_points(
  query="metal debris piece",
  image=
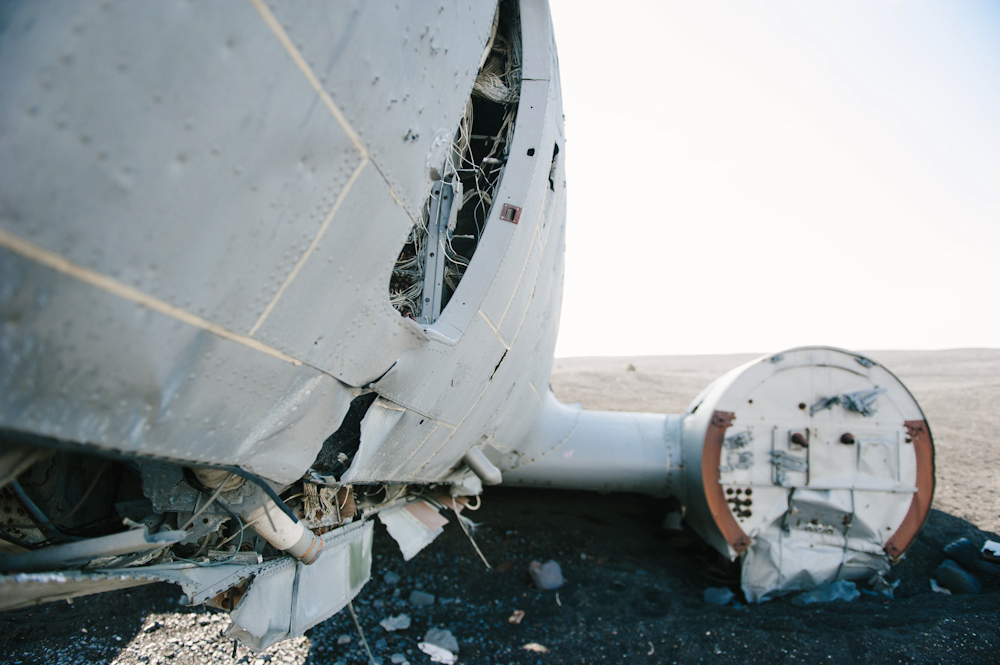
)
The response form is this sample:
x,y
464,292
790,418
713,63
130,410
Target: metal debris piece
x,y
862,401
826,403
741,440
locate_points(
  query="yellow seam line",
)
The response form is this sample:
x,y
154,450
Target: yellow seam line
x,y
312,246
536,391
524,315
520,277
464,418
494,329
132,294
286,41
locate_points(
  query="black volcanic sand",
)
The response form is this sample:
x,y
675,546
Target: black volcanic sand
x,y
636,597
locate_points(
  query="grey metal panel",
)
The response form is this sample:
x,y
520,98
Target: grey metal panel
x,y
511,402
400,95
394,441
84,365
513,315
538,42
443,381
168,145
335,314
24,590
524,183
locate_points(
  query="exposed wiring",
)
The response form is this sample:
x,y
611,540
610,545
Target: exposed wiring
x,y
197,513
461,523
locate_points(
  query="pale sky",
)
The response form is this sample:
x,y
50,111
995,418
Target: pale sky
x,y
753,176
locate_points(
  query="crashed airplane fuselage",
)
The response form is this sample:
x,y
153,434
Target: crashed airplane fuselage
x,y
270,272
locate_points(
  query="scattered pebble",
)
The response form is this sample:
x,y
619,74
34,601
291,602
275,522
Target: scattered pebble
x,y
718,595
516,617
391,578
421,598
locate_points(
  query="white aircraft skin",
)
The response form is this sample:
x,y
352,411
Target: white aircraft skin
x,y
230,263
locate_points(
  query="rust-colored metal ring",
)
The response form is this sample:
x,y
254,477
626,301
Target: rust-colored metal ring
x,y
711,458
920,506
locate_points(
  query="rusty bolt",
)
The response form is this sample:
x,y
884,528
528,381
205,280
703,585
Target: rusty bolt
x,y
847,438
800,440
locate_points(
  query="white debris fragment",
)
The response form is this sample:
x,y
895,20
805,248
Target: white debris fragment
x,y
938,588
535,647
391,624
546,575
437,654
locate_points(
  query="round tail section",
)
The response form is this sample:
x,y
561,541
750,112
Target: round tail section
x,y
814,464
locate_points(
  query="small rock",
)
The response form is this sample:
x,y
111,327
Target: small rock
x,y
378,603
421,598
630,367
546,575
382,644
441,638
391,624
516,617
954,578
391,578
718,595
397,658
344,639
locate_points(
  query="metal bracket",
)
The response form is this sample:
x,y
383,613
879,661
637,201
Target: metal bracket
x,y
442,196
510,213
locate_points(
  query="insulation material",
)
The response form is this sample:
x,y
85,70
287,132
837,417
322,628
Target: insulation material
x,y
471,175
413,526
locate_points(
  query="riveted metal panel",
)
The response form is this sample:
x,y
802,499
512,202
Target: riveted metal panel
x,y
82,364
399,96
443,381
335,314
169,145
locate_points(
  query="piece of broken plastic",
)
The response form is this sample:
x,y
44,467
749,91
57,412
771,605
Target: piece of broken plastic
x,y
882,586
718,595
840,590
437,654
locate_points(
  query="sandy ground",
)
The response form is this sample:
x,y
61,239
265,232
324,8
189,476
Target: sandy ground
x,y
633,592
